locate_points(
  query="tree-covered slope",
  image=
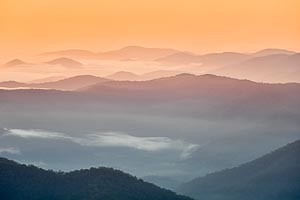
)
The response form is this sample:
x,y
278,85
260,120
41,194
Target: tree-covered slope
x,y
20,182
274,176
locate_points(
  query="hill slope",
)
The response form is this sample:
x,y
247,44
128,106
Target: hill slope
x,y
71,83
271,68
14,63
135,53
274,176
19,182
66,62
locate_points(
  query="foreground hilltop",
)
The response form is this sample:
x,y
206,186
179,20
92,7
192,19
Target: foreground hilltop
x,y
274,176
18,182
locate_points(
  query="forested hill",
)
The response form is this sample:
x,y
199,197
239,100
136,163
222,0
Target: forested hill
x,y
20,182
275,176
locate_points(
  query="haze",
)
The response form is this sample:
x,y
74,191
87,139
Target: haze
x,y
197,96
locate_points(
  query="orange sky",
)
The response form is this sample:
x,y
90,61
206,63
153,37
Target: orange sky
x,y
32,26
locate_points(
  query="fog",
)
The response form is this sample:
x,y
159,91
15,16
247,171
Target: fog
x,y
143,139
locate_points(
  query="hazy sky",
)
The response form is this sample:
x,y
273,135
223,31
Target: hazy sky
x,y
31,26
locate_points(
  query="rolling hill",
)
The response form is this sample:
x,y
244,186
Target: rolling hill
x,y
135,53
66,62
209,61
123,75
274,176
19,182
72,83
188,85
129,76
180,58
14,63
47,79
271,68
126,53
268,52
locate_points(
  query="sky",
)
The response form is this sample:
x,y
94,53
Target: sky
x,y
34,26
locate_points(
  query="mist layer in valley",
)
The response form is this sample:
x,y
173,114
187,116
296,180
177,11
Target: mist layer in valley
x,y
137,63
179,127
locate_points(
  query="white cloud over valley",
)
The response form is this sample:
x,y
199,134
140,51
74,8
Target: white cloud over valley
x,y
113,139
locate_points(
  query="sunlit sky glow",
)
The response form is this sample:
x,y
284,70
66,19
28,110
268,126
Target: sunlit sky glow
x,y
32,26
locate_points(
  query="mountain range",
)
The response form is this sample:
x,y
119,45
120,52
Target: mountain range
x,y
67,62
267,65
126,53
219,59
270,68
184,125
129,76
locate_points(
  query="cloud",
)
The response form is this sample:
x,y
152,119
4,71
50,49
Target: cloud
x,y
10,150
36,134
114,139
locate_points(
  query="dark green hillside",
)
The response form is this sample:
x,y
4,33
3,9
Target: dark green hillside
x,y
275,176
22,182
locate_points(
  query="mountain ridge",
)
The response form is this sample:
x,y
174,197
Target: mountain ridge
x,y
19,181
272,176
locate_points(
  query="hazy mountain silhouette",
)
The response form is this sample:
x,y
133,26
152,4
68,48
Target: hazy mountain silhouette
x,y
129,76
71,83
268,52
14,63
66,62
274,176
126,53
159,74
184,85
123,75
73,53
222,59
48,79
180,58
136,53
29,182
218,60
212,59
271,68
12,84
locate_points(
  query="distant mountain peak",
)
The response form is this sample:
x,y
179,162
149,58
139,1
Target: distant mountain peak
x,y
135,47
270,51
185,75
15,62
124,72
123,75
67,62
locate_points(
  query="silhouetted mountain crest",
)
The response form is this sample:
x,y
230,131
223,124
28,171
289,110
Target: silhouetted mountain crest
x,y
273,176
29,182
266,52
71,83
67,62
15,62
